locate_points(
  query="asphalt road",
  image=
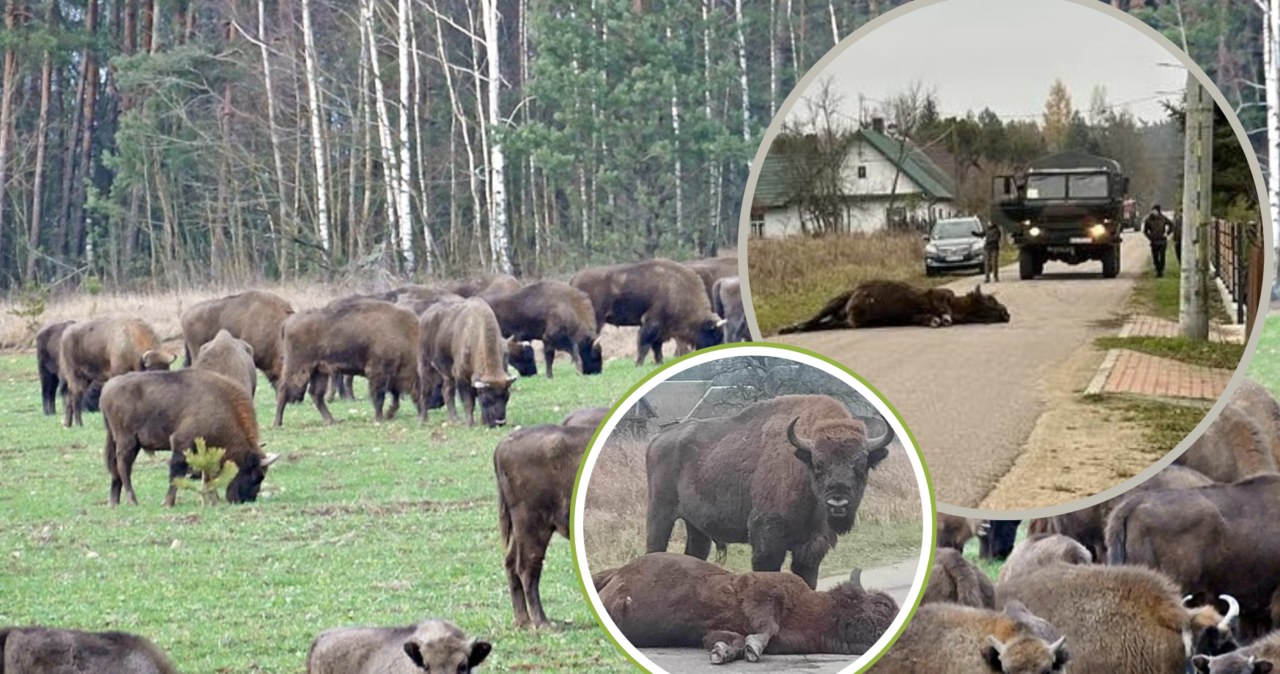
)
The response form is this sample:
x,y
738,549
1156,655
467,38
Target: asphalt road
x,y
971,394
894,579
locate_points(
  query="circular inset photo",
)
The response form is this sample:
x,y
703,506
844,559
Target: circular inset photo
x,y
753,503
1046,247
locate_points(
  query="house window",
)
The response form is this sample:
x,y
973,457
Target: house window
x,y
757,224
862,171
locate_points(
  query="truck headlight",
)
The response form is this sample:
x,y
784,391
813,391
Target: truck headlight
x,y
1097,231
1034,231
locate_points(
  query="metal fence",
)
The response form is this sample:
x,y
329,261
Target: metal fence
x,y
1236,251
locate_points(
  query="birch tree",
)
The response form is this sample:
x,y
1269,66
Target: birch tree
x,y
499,239
405,167
317,130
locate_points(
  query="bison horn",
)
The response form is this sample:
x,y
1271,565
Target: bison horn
x,y
1186,601
1057,645
720,323
872,444
1233,612
478,384
525,343
596,342
796,440
855,578
270,459
996,644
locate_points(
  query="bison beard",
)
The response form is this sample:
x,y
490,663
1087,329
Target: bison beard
x,y
878,304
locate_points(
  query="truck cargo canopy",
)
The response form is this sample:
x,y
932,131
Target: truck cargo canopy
x,y
1074,159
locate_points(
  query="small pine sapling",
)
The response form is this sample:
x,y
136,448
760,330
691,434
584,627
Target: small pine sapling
x,y
214,473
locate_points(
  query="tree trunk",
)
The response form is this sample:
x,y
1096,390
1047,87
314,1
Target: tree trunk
x,y
317,130
499,238
390,170
460,118
405,167
86,136
742,76
1271,57
42,131
677,154
286,216
6,111
773,57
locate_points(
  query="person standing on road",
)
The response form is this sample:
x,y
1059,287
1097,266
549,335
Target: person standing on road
x,y
991,250
1157,228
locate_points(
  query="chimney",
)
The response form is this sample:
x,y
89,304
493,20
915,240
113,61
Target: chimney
x,y
877,124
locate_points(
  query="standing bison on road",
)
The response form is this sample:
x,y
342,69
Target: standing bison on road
x,y
951,639
878,304
254,316
461,350
666,299
665,599
372,338
535,469
45,650
432,646
556,313
95,351
785,475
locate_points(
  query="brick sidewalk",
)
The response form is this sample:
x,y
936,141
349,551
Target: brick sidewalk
x,y
1150,326
1125,371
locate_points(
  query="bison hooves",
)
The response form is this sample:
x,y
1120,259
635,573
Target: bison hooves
x,y
721,653
755,648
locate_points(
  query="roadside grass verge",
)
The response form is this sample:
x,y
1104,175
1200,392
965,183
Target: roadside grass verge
x,y
1164,424
1161,296
1207,354
1265,367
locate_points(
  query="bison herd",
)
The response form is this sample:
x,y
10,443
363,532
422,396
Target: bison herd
x,y
1176,575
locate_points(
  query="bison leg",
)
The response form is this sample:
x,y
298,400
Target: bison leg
x,y
449,390
696,544
767,551
515,585
347,386
468,395
177,465
395,404
806,559
649,337
109,453
377,394
531,568
49,391
661,518
549,354
126,454
319,386
724,646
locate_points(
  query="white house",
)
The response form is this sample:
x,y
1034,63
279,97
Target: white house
x,y
924,191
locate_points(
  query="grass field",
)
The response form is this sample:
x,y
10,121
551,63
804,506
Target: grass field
x,y
357,524
1265,367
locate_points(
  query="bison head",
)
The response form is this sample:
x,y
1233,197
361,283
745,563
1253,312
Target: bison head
x,y
1232,663
1029,650
839,458
1214,632
861,617
710,332
976,307
493,395
156,359
248,480
520,356
447,654
590,355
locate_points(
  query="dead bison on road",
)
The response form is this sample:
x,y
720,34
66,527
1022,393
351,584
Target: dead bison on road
x,y
950,639
48,346
167,411
879,304
255,316
672,600
231,358
95,351
461,350
785,475
372,338
44,650
435,646
666,299
535,469
556,313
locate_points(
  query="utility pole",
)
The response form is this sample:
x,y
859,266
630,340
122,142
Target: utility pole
x,y
1197,192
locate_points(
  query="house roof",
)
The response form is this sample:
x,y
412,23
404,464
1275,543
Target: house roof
x,y
916,164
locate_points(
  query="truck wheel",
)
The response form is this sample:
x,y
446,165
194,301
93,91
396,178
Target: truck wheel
x,y
1111,262
1027,267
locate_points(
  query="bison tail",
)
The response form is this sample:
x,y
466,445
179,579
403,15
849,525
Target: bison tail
x,y
1117,532
504,509
831,316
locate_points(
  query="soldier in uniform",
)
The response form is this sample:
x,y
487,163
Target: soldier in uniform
x,y
1157,228
991,250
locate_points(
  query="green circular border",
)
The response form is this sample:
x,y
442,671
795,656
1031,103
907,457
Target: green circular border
x,y
595,445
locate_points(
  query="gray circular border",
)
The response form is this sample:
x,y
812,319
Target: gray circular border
x,y
1269,272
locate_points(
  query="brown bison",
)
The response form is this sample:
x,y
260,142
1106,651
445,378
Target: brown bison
x,y
666,299
95,351
1258,404
434,646
1040,550
535,469
951,639
48,346
878,304
956,580
461,350
665,599
45,650
1236,445
713,269
797,466
372,338
254,316
167,412
954,531
491,283
591,417
726,300
1120,618
556,313
229,357
1210,540
1259,657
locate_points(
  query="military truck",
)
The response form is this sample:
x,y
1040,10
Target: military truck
x,y
1066,207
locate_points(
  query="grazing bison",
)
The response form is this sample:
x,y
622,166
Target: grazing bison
x,y
1120,618
666,299
45,650
461,350
1234,446
254,316
372,338
418,298
998,540
956,580
950,639
434,646
591,417
1259,657
796,467
492,283
713,269
1040,550
878,304
556,313
229,357
535,469
48,346
95,351
1211,540
168,411
726,299
671,600
954,531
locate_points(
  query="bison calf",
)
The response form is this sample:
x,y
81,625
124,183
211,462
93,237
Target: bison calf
x,y
95,351
665,599
461,350
435,646
950,639
535,469
44,650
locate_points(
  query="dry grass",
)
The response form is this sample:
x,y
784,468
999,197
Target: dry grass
x,y
617,497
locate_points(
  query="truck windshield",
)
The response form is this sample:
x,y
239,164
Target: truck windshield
x,y
1093,185
1046,187
956,229
1067,186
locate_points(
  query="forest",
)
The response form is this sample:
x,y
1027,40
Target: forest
x,y
154,142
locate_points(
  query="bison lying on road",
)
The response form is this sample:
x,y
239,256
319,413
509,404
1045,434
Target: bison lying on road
x,y
48,346
878,304
167,411
950,639
255,316
1259,657
556,313
666,299
433,646
229,357
1040,550
665,599
726,299
372,338
795,489
535,469
45,650
461,350
956,580
95,351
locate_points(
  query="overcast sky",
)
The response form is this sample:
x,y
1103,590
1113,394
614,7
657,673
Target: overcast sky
x,y
1005,54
